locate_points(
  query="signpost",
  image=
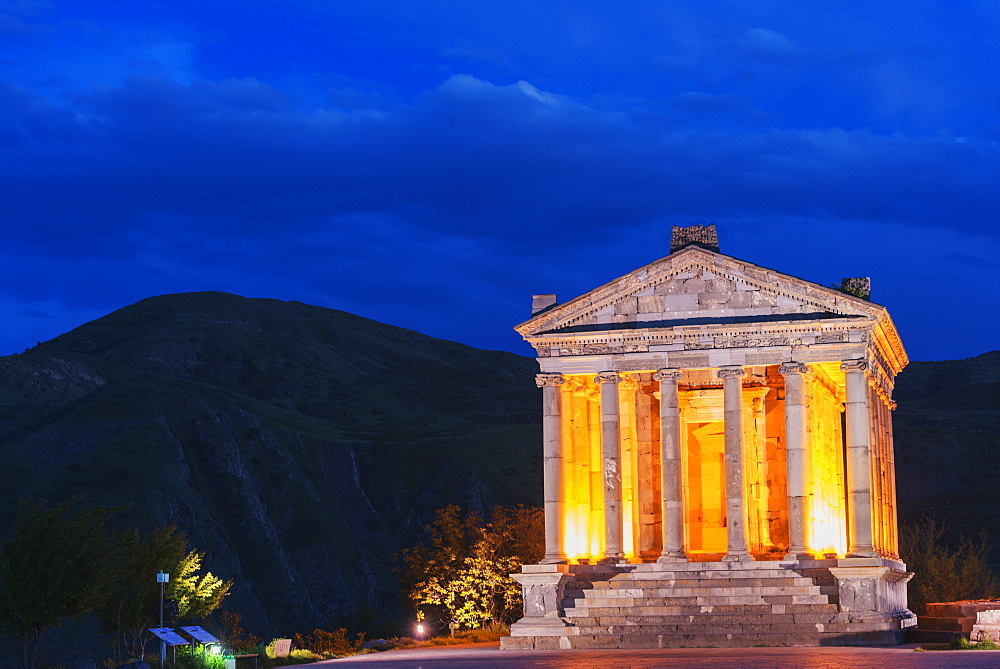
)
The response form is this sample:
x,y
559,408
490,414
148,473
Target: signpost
x,y
162,578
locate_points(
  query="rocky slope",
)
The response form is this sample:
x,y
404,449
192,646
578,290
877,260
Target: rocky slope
x,y
299,446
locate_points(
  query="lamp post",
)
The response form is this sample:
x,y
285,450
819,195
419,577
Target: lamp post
x,y
161,578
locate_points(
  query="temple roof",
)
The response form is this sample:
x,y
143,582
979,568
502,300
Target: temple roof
x,y
695,287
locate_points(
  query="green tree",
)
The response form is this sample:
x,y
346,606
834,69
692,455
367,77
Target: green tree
x,y
196,595
944,573
461,573
58,563
132,607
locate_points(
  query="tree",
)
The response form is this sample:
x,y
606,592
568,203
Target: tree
x,y
58,563
196,595
132,609
462,572
943,573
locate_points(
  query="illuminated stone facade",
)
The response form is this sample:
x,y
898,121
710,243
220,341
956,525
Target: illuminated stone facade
x,y
715,423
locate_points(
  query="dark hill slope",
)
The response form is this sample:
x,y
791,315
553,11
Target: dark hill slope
x,y
300,446
303,446
358,373
947,430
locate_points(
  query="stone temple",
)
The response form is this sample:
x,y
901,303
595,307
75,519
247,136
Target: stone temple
x,y
718,461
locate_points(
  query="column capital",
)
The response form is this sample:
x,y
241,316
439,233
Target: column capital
x,y
667,375
542,380
854,366
730,371
787,368
608,377
892,405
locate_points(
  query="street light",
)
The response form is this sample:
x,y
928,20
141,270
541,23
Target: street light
x,y
161,578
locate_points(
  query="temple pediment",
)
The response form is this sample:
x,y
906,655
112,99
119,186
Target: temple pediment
x,y
693,287
696,291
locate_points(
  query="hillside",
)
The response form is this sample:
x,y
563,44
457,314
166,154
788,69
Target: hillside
x,y
947,431
302,446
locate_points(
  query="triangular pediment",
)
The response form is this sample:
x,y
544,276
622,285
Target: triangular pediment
x,y
695,286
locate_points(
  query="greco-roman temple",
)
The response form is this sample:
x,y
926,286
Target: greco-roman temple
x,y
718,461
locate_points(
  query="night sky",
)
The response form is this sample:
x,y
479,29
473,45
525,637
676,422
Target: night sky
x,y
433,164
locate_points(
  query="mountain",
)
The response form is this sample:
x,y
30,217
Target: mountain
x,y
947,431
299,446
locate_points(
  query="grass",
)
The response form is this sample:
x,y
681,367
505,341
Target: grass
x,y
961,643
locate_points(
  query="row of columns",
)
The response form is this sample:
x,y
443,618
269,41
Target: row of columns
x,y
859,463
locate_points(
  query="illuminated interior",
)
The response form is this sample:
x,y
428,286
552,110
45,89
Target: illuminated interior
x,y
703,466
705,502
826,533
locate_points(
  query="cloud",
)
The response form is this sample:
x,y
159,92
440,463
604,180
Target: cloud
x,y
435,166
768,45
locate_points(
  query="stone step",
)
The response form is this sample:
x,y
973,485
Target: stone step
x,y
635,639
695,610
946,624
730,627
694,582
709,574
915,635
703,619
640,593
643,603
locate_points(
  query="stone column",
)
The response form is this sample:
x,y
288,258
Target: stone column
x,y
797,452
611,464
736,524
552,466
670,467
890,446
858,459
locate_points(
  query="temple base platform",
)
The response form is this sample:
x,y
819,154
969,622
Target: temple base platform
x,y
825,602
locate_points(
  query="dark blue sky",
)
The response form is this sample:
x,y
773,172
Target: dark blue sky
x,y
433,164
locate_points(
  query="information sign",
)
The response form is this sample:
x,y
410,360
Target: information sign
x,y
168,636
200,635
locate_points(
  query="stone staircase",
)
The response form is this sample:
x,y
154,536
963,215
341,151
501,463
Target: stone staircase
x,y
702,604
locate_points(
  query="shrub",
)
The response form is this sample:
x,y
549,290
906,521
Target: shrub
x,y
330,643
961,643
943,573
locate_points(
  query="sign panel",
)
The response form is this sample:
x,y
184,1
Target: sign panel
x,y
200,635
168,636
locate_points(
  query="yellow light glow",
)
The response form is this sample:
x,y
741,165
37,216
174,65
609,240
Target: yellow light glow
x,y
827,524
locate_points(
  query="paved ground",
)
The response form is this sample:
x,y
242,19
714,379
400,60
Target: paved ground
x,y
489,655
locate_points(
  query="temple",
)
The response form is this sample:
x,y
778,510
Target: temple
x,y
718,461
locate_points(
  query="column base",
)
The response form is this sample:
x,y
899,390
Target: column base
x,y
554,559
737,557
796,554
672,556
612,559
862,552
